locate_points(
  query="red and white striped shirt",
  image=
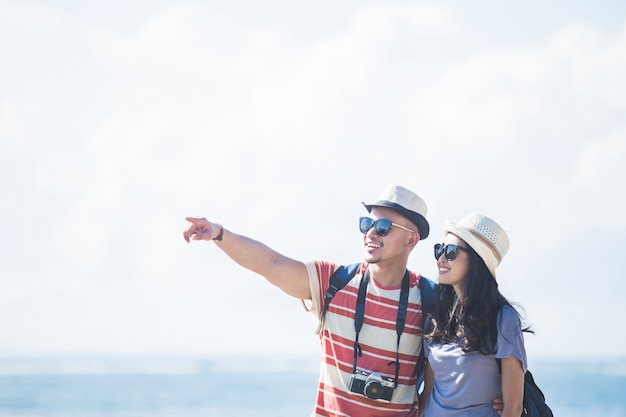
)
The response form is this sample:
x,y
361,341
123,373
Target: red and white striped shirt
x,y
377,338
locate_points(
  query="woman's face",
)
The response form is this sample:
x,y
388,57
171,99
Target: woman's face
x,y
454,272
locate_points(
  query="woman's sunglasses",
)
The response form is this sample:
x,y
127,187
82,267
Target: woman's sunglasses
x,y
381,226
450,251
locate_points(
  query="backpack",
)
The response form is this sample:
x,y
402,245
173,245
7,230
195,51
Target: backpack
x,y
344,274
534,402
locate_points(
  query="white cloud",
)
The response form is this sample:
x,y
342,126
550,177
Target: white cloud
x,y
195,90
596,63
601,162
206,114
12,131
29,16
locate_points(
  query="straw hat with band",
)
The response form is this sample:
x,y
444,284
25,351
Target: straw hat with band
x,y
484,235
406,203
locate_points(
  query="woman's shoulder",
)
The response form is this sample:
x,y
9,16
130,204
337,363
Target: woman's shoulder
x,y
508,318
510,337
508,311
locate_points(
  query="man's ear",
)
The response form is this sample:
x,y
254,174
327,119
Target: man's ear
x,y
413,240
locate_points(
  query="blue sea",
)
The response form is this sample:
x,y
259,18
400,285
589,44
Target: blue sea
x,y
231,387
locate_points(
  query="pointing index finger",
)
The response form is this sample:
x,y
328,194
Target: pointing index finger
x,y
191,229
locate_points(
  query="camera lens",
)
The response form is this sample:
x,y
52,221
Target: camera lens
x,y
373,390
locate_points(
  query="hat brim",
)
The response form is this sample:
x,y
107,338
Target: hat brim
x,y
475,243
417,219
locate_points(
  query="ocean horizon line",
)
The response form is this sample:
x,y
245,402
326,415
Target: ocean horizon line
x,y
237,363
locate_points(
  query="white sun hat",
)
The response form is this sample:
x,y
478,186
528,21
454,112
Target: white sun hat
x,y
484,235
407,203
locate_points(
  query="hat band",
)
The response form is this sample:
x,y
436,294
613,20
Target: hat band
x,y
487,242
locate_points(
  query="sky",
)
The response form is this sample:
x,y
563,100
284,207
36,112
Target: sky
x,y
118,119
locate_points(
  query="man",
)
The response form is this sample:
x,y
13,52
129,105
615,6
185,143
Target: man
x,y
371,332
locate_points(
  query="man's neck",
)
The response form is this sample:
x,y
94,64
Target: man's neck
x,y
387,275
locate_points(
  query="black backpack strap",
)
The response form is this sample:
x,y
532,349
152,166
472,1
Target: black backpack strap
x,y
337,281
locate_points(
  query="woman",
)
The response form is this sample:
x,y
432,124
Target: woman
x,y
470,325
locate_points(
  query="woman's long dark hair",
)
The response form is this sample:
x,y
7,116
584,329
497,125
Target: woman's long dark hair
x,y
470,322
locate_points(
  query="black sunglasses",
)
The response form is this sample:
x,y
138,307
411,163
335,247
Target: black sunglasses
x,y
449,250
381,226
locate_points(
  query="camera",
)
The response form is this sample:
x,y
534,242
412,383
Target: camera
x,y
373,386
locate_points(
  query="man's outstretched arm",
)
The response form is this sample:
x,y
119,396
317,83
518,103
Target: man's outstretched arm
x,y
288,274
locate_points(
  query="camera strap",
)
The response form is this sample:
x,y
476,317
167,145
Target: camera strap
x,y
400,320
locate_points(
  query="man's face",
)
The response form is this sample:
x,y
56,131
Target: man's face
x,y
395,243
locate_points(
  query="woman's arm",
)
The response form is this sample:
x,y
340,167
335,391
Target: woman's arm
x,y
512,387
